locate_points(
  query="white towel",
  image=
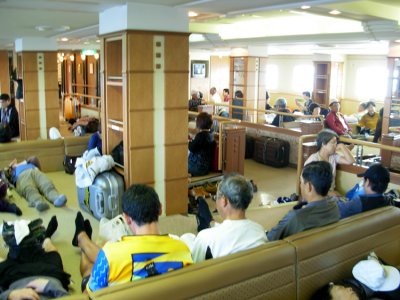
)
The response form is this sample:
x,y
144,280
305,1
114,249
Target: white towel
x,y
21,229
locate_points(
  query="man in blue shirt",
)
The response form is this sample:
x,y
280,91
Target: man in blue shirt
x,y
316,210
376,180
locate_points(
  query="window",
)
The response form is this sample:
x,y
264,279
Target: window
x,y
272,77
371,82
303,78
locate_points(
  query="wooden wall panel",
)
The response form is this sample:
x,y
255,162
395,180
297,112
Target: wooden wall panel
x,y
175,45
30,82
142,165
140,92
140,51
4,72
176,91
32,119
50,62
176,163
176,126
141,128
31,100
176,193
29,62
219,74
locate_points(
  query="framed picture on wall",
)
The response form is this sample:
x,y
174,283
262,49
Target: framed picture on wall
x,y
199,68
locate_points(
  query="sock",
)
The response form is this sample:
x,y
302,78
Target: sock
x,y
60,201
79,227
13,208
52,227
41,206
204,216
88,228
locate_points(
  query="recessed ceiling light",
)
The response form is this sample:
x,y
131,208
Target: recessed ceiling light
x,y
42,27
335,12
305,7
192,14
397,41
86,43
62,28
97,41
64,39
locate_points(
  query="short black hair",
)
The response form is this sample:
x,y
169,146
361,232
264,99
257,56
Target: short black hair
x,y
324,136
226,91
238,94
306,93
141,203
370,103
203,120
324,293
237,189
5,97
319,174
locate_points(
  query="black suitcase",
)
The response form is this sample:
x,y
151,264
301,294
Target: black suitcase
x,y
271,151
249,150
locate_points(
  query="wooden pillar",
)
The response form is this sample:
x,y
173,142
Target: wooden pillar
x,y
4,72
145,75
39,107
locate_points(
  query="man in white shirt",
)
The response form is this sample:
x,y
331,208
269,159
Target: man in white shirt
x,y
215,97
235,233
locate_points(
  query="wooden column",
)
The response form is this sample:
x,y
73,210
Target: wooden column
x,y
39,108
4,72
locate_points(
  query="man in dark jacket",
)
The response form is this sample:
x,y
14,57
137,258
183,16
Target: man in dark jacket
x,y
9,114
316,210
376,180
280,106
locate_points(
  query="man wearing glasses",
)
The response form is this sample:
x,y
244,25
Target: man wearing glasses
x,y
235,233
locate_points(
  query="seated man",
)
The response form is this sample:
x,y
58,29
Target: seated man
x,y
34,270
376,180
34,185
336,121
236,233
280,106
194,101
145,254
315,181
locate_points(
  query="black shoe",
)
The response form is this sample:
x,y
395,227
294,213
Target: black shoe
x,y
79,227
204,216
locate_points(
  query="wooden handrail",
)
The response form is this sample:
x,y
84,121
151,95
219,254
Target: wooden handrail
x,y
265,111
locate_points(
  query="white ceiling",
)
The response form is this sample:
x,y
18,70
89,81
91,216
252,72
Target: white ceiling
x,y
278,26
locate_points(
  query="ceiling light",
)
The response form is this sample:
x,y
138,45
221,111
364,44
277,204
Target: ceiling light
x,y
62,28
97,41
335,12
42,27
96,56
86,43
83,56
192,14
305,7
64,39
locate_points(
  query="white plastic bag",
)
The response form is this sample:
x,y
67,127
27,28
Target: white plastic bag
x,y
112,230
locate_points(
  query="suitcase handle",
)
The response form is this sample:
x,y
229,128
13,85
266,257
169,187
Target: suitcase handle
x,y
100,203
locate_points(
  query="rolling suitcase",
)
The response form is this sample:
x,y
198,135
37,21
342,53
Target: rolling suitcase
x,y
271,151
249,150
103,197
